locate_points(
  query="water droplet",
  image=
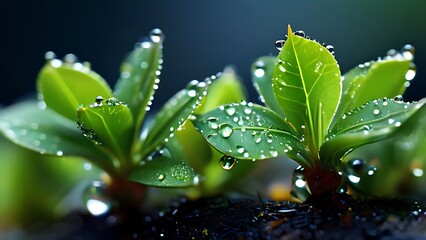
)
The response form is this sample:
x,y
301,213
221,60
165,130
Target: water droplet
x,y
156,35
257,139
417,172
279,44
55,63
49,55
259,69
354,178
70,58
300,33
376,111
192,93
408,52
398,98
213,123
240,149
59,153
225,130
343,116
273,153
230,110
96,199
392,53
391,120
248,110
99,100
356,165
161,177
227,162
411,72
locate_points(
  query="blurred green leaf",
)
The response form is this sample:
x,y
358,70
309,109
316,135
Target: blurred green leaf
x,y
164,171
373,80
372,122
306,83
262,71
249,131
65,86
139,77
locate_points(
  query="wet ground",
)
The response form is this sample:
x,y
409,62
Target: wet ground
x,y
333,217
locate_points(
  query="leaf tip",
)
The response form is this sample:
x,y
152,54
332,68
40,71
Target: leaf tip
x,y
290,32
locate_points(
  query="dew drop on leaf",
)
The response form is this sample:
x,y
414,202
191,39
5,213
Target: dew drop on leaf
x,y
213,123
156,35
259,69
279,44
230,110
240,149
408,51
161,177
225,130
376,111
227,162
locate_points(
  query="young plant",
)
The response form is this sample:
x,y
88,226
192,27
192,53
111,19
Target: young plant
x,y
79,115
315,115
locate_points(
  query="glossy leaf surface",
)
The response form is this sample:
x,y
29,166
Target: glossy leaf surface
x,y
139,77
174,113
307,86
262,71
374,121
64,86
373,80
164,171
249,131
108,124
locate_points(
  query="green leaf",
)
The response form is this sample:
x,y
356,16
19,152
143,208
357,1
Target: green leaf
x,y
227,88
174,114
48,133
249,131
307,86
164,171
262,71
64,86
372,122
108,124
139,77
385,78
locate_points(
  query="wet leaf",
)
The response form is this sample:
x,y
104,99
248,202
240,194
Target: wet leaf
x,y
46,132
139,77
64,86
385,78
249,131
196,150
262,70
306,83
164,171
173,114
109,124
372,122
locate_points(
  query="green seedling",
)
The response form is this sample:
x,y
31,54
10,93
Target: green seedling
x,y
79,115
314,115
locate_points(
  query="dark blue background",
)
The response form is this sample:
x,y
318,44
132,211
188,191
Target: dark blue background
x,y
202,36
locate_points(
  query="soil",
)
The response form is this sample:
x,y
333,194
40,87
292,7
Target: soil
x,y
335,216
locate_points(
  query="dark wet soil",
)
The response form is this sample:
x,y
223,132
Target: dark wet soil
x,y
332,217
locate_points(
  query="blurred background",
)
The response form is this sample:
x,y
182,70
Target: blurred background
x,y
202,37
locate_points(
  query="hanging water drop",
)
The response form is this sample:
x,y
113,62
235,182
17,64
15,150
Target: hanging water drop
x,y
227,162
156,35
259,69
300,33
225,130
96,199
411,72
